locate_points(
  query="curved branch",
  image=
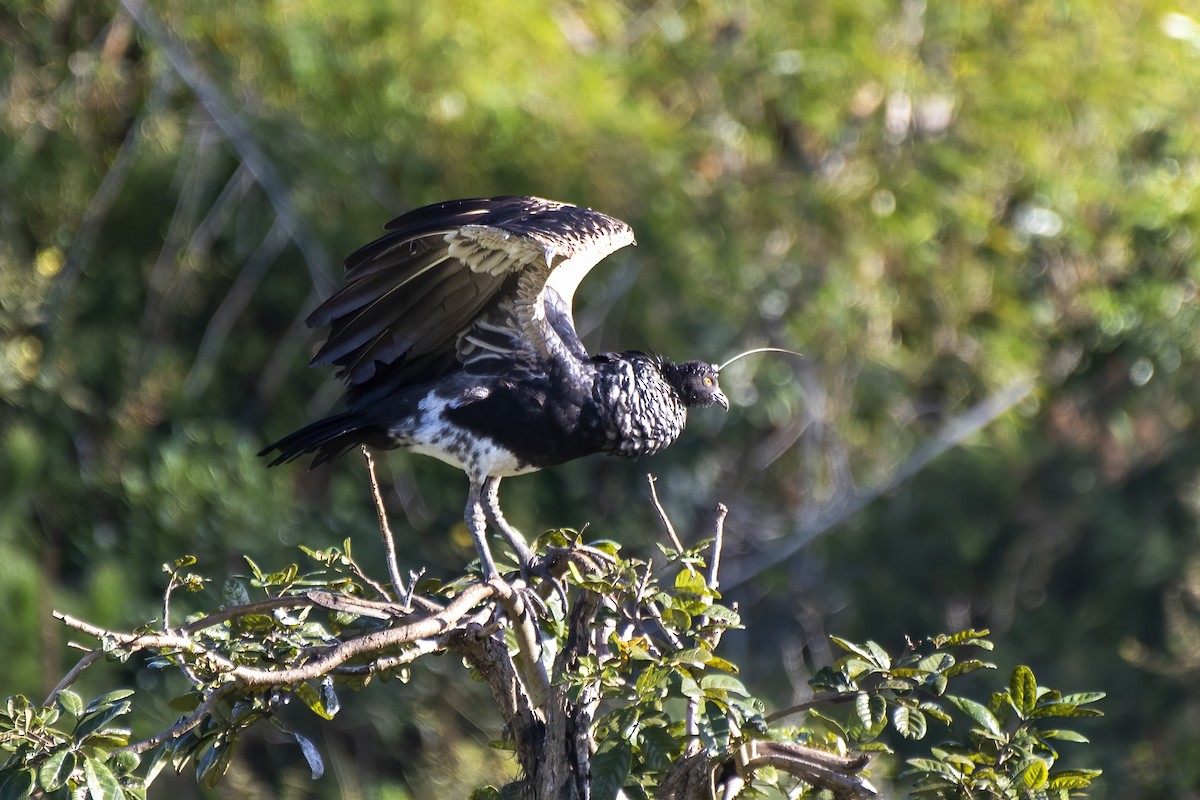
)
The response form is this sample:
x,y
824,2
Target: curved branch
x,y
429,626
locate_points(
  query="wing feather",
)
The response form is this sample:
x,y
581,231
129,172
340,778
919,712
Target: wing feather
x,y
463,284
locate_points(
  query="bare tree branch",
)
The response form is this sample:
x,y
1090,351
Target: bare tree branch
x,y
430,625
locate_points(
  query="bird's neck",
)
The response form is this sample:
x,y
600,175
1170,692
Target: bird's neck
x,y
639,412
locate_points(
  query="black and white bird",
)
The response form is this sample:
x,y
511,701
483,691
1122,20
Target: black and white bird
x,y
454,334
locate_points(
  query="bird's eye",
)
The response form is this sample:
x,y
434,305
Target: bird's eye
x,y
708,381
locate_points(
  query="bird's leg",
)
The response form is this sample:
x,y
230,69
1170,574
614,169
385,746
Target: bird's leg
x,y
530,563
491,497
477,526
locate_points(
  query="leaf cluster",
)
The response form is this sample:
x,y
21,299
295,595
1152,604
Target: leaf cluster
x,y
640,640
67,749
1002,748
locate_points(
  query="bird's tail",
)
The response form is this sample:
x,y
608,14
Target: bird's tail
x,y
328,438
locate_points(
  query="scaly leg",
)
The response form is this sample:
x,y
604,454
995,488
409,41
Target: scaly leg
x,y
491,497
530,563
477,527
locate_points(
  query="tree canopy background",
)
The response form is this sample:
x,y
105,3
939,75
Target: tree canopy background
x,y
967,215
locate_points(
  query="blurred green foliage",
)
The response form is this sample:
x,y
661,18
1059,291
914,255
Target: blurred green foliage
x,y
932,201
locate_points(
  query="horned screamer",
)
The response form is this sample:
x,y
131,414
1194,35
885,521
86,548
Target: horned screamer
x,y
455,337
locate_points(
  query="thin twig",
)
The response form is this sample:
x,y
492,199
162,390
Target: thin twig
x,y
389,542
183,725
714,566
89,658
662,515
817,699
166,603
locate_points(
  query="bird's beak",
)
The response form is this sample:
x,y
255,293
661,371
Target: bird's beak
x,y
721,400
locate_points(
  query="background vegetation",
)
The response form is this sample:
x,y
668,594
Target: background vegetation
x,y
971,213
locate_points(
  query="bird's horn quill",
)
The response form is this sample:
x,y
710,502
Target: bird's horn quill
x,y
758,350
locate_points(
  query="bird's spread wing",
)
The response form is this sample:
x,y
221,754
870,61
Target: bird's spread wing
x,y
484,283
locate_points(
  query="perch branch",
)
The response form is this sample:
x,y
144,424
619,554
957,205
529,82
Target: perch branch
x,y
423,628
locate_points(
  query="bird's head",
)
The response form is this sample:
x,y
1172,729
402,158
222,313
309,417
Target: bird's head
x,y
696,383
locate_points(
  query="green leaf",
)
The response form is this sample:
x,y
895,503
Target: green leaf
x,y
125,762
723,683
610,768
95,720
16,785
55,770
693,656
970,665
1064,710
1064,736
870,709
107,700
1022,690
70,702
722,614
1034,776
658,747
101,783
937,662
938,767
879,655
676,618
718,663
967,637
254,570
688,686
692,582
977,712
829,722
234,593
311,755
1073,779
185,702
909,722
936,711
214,763
1082,698
850,646
1070,782
109,739
312,698
854,668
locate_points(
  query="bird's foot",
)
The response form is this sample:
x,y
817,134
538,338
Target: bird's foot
x,y
547,574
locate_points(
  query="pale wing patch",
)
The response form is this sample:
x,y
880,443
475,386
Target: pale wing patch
x,y
493,251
